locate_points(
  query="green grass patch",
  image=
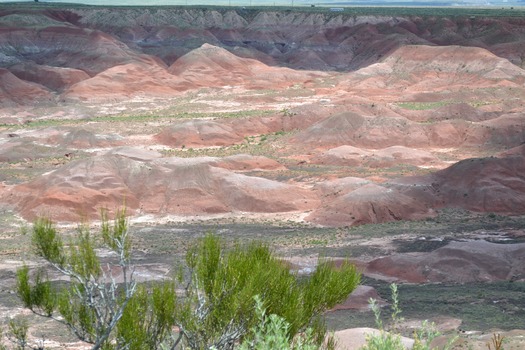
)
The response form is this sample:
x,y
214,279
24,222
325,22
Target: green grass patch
x,y
449,222
480,306
422,106
39,123
260,145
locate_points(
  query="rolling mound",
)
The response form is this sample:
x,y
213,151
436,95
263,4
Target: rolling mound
x,y
53,144
207,66
24,150
349,128
164,186
353,129
214,66
483,185
199,133
381,158
516,151
338,187
54,78
223,132
14,91
458,262
245,162
342,155
421,68
83,139
479,184
91,51
126,81
448,59
462,111
369,204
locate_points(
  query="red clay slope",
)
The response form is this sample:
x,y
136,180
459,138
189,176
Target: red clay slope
x,y
421,68
480,185
207,66
457,262
483,185
370,204
214,66
127,81
14,91
162,186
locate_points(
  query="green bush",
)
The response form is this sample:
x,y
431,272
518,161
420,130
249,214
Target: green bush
x,y
93,303
271,332
18,329
385,340
217,310
148,318
40,298
391,340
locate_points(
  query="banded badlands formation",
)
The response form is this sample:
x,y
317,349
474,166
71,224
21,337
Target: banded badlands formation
x,y
302,119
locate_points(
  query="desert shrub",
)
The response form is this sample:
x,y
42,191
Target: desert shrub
x,y
40,298
391,340
217,310
271,332
496,342
148,318
93,303
385,340
18,327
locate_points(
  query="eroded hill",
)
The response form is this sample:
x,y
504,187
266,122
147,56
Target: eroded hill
x,y
328,97
273,120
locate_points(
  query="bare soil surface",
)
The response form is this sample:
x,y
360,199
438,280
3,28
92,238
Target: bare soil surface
x,y
395,141
478,307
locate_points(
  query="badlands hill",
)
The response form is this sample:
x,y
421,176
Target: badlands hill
x,y
327,97
100,49
282,120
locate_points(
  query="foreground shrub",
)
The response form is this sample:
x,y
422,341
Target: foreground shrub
x,y
271,332
219,308
216,311
93,303
391,340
